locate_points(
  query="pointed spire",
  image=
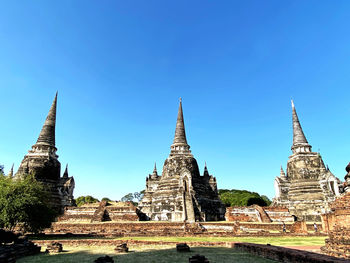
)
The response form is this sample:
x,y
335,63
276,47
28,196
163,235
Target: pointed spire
x,y
155,173
282,174
180,134
47,134
65,174
300,144
180,142
155,168
206,172
11,171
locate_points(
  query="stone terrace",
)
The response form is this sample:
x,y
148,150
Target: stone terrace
x,y
112,229
256,213
100,212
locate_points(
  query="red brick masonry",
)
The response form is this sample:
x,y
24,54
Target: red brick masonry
x,y
338,224
287,255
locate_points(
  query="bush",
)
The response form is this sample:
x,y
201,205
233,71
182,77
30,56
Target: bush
x,y
242,198
81,200
24,203
106,199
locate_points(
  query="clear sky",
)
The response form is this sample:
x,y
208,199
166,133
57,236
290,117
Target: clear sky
x,y
121,66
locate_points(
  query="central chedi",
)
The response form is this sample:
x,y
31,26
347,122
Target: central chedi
x,y
181,193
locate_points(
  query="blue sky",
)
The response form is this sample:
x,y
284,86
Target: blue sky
x,y
121,66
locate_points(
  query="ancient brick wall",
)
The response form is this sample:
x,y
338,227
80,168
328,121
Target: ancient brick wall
x,y
242,214
338,224
279,214
258,214
173,229
287,255
99,212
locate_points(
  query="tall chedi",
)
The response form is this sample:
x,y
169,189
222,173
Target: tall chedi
x,y
308,187
42,161
181,193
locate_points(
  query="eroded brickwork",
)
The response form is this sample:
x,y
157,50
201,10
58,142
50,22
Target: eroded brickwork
x,y
127,229
100,212
337,222
256,213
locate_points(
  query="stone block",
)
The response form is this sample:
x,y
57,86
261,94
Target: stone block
x,y
105,259
198,259
182,247
54,247
122,248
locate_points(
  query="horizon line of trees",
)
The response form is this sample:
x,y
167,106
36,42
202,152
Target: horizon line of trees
x,y
231,197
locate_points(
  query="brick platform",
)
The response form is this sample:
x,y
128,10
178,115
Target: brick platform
x,y
119,229
287,255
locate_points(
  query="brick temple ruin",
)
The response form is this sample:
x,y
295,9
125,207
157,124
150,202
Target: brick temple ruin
x,y
309,187
181,193
104,211
42,161
255,213
337,223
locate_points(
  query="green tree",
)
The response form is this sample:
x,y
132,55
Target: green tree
x,y
88,199
266,199
128,197
1,169
139,195
241,198
24,203
106,199
256,201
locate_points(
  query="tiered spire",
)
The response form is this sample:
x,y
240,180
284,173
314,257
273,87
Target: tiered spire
x,y
65,174
300,144
155,172
180,145
47,134
206,172
180,134
282,174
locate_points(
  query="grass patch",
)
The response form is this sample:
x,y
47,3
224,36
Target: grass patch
x,y
145,254
276,241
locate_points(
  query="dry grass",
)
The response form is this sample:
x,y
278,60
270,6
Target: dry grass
x,y
159,254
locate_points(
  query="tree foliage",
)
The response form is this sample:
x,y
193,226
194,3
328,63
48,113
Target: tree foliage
x,y
88,199
128,197
106,199
1,169
24,203
266,199
242,198
139,195
135,198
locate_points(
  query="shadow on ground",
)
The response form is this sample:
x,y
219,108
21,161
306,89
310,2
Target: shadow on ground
x,y
215,255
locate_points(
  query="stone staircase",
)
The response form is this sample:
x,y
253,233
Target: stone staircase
x,y
263,215
99,213
189,207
